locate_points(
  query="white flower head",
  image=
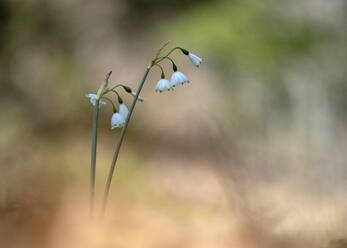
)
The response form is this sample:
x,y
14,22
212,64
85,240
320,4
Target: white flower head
x,y
117,120
140,98
162,85
93,99
178,78
194,59
123,110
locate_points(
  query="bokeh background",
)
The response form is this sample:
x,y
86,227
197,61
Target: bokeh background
x,y
252,153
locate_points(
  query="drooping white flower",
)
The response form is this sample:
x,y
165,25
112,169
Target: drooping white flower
x,y
194,59
162,85
117,120
178,78
140,98
93,99
123,110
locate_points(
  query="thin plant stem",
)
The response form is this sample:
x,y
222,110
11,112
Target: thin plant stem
x,y
167,57
161,68
159,59
120,140
160,49
93,158
118,85
113,107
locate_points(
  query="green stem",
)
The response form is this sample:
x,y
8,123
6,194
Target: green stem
x,y
166,57
161,68
173,63
118,85
120,100
93,159
163,57
113,107
120,140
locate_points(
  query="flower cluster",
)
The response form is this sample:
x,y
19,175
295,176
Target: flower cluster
x,y
177,77
119,117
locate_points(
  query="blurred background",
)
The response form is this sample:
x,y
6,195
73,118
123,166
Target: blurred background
x,y
251,153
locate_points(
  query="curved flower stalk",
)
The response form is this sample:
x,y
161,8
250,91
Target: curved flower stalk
x,y
122,117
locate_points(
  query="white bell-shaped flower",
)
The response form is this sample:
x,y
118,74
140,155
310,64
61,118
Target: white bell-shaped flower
x,y
117,120
123,110
162,85
194,59
178,78
93,99
140,98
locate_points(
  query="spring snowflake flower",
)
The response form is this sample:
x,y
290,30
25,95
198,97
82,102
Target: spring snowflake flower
x,y
194,59
140,98
93,99
162,85
117,120
178,78
123,110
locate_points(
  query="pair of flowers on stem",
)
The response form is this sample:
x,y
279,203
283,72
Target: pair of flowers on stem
x,y
118,118
121,118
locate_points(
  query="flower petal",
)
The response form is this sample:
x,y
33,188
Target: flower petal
x,y
162,85
123,110
140,98
117,120
194,59
93,100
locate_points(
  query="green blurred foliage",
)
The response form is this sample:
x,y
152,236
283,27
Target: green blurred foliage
x,y
263,41
249,34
